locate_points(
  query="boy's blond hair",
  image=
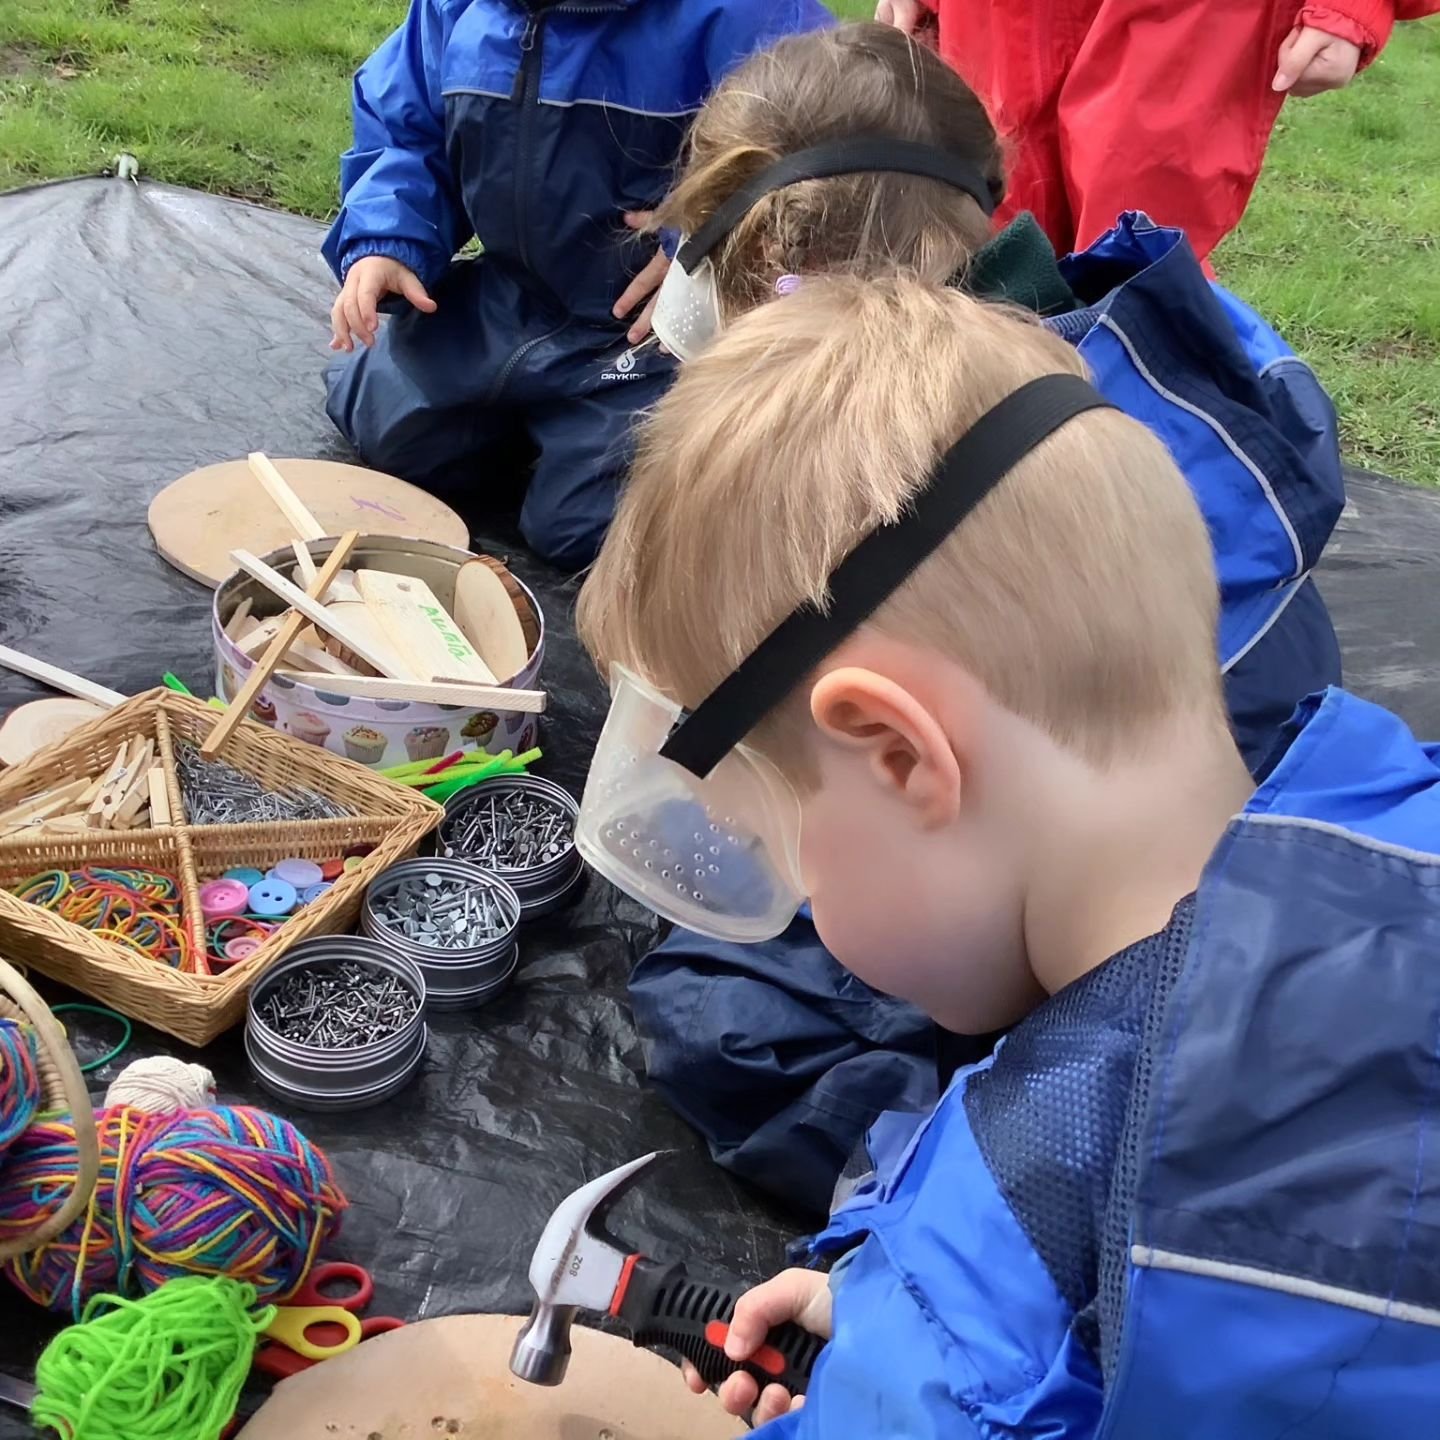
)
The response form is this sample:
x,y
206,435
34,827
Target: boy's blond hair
x,y
1081,592
833,85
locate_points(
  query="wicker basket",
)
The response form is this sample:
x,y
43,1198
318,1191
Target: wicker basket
x,y
63,1088
195,1008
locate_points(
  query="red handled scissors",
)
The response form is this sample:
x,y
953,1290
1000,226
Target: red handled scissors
x,y
316,1322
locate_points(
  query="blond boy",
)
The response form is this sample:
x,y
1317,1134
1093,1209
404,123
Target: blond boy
x,y
991,750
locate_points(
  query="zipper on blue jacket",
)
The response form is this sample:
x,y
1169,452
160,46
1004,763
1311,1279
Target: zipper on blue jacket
x,y
527,93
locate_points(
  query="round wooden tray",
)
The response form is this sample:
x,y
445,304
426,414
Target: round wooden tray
x,y
64,1089
200,518
449,1379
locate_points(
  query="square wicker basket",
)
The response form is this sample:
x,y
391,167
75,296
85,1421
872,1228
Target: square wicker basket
x,y
195,1008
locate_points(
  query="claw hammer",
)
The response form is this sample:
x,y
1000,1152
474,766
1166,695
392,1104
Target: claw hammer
x,y
578,1266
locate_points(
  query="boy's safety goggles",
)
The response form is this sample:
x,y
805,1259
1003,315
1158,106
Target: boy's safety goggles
x,y
678,812
687,308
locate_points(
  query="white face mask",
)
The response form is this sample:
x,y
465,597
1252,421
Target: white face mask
x,y
687,308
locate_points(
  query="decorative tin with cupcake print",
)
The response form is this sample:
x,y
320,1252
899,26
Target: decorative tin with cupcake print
x,y
380,733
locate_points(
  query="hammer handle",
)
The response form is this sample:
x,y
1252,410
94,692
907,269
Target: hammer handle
x,y
664,1307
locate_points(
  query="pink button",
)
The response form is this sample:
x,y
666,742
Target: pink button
x,y
223,897
242,947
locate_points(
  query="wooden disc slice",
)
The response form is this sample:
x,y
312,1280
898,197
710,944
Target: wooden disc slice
x,y
200,518
449,1379
38,723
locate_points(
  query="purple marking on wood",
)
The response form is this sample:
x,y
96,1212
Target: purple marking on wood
x,y
361,503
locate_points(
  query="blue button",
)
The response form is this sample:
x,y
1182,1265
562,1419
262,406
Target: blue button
x,y
272,897
245,875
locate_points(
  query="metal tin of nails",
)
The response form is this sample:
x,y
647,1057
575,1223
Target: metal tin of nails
x,y
338,1024
454,920
523,828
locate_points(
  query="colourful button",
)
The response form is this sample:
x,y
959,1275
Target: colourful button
x,y
353,862
311,893
242,947
223,897
247,875
296,872
332,869
272,897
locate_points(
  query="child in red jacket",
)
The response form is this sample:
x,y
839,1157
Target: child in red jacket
x,y
1164,106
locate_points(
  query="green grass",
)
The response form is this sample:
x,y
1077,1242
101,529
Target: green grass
x,y
1340,249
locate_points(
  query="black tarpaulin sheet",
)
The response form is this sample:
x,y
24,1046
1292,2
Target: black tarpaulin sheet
x,y
145,331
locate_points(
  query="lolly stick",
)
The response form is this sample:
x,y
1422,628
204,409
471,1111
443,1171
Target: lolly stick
x,y
291,506
293,624
440,692
58,679
310,607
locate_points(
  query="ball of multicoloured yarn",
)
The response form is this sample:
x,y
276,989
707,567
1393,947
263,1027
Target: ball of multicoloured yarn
x,y
19,1082
234,1192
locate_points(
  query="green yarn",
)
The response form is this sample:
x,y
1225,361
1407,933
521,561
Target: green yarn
x,y
168,1367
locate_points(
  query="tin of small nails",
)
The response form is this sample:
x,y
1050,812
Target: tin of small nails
x,y
338,1024
522,827
454,920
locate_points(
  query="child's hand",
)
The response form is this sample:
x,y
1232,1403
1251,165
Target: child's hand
x,y
1312,61
367,283
907,16
799,1295
644,286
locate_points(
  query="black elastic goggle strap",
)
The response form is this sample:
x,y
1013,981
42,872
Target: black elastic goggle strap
x,y
877,567
861,155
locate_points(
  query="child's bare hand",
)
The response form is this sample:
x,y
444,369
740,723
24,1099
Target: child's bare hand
x,y
907,16
799,1295
367,283
644,286
1312,61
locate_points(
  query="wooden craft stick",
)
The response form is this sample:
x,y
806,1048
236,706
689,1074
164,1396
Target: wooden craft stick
x,y
58,679
254,641
302,522
372,687
305,564
311,608
236,624
159,797
420,628
290,629
308,657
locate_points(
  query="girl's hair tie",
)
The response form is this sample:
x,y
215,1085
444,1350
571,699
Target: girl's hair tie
x,y
787,284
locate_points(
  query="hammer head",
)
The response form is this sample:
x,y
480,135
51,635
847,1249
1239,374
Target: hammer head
x,y
576,1266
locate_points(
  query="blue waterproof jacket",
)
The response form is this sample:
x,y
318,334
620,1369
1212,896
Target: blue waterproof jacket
x,y
775,1054
1240,1242
536,126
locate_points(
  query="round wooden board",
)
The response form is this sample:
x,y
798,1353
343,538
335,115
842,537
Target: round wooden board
x,y
449,1379
38,723
200,518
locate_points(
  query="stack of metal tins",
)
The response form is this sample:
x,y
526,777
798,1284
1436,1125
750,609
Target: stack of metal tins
x,y
338,1024
453,920
522,827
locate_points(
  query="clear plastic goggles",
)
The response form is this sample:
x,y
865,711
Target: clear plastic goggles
x,y
720,855
687,309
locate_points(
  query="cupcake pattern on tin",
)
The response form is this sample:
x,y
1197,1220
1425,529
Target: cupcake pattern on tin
x,y
365,744
426,742
306,725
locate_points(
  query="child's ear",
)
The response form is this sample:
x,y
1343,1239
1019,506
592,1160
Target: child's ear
x,y
908,751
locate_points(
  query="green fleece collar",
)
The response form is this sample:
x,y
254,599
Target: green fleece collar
x,y
1019,266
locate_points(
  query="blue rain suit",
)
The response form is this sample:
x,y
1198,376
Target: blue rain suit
x,y
776,1055
1198,1196
535,127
